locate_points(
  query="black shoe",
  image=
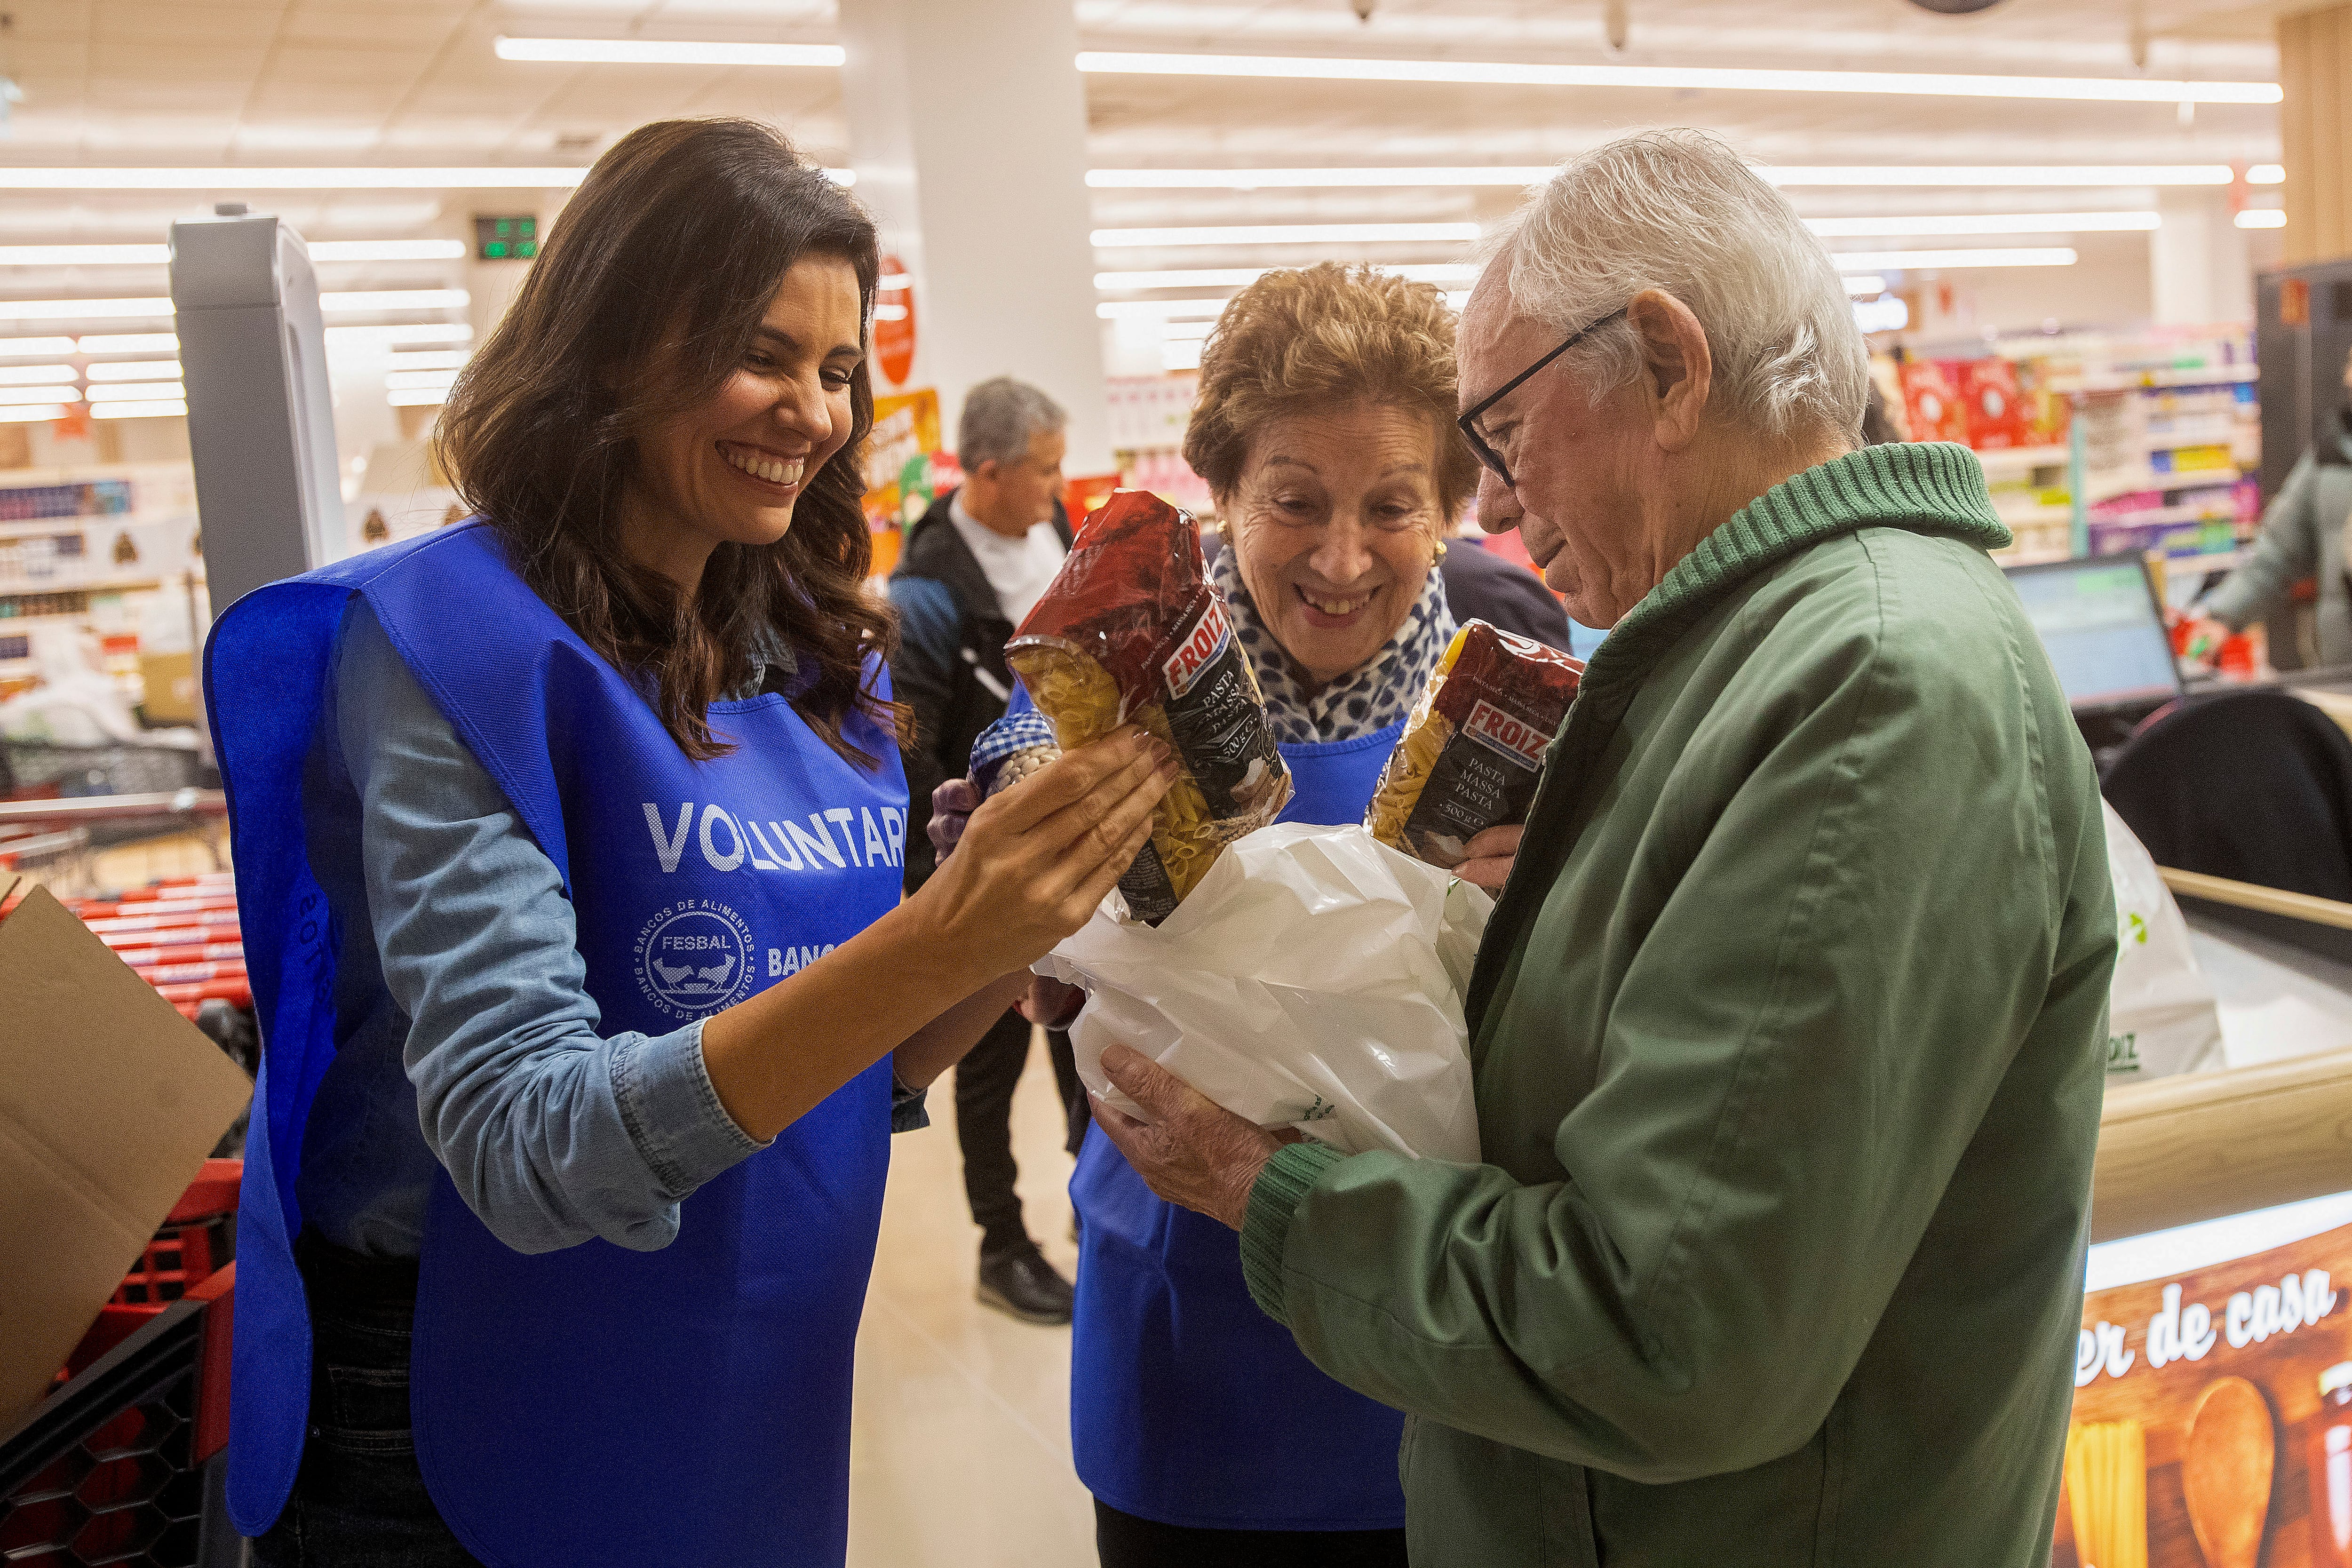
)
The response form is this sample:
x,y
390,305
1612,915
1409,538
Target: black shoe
x,y
1023,1283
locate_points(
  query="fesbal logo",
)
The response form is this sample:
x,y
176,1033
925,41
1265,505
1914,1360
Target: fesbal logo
x,y
1199,649
694,958
1521,743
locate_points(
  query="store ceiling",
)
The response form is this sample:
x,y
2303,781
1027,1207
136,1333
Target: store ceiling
x,y
416,82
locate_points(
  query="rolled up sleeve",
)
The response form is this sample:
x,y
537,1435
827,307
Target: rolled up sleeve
x,y
553,1132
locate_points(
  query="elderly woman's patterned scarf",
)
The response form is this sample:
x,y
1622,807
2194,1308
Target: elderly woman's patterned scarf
x,y
1374,695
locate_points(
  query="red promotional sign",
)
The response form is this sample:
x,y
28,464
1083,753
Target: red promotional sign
x,y
894,321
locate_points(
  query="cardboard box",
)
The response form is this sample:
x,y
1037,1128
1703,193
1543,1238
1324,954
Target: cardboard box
x,y
171,682
110,1100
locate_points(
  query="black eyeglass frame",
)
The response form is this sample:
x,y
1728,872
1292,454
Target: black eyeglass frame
x,y
1469,421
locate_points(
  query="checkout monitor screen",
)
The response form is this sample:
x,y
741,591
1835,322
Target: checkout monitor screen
x,y
2098,620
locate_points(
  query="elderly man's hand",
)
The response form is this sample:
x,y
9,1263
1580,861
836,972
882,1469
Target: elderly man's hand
x,y
1194,1152
952,804
1487,861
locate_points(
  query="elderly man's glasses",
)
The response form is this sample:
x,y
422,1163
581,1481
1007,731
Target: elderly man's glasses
x,y
1469,422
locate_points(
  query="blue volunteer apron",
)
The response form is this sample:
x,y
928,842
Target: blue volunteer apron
x,y
1187,1406
593,1405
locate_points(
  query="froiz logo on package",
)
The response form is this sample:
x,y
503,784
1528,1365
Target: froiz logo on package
x,y
1200,650
694,958
1520,742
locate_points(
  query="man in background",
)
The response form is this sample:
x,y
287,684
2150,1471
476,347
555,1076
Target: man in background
x,y
972,568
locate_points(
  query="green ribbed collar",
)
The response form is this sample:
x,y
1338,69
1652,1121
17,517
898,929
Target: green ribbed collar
x,y
1929,487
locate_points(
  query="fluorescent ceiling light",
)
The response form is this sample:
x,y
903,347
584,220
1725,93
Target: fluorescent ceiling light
x,y
416,396
431,359
404,333
1498,73
1285,234
34,348
157,254
1240,276
65,309
138,392
395,300
157,409
1943,175
130,342
160,305
1864,283
84,255
1276,179
2266,174
1159,310
399,380
1911,260
666,52
371,177
217,177
2261,217
137,370
12,415
388,249
43,395
1888,314
38,375
1984,222
1956,174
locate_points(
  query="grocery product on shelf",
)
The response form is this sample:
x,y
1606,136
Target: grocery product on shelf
x,y
2164,426
1931,401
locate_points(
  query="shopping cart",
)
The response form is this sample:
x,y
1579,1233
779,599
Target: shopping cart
x,y
123,1462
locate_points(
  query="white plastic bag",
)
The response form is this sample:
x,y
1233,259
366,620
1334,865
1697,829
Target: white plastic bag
x,y
2161,1015
1313,980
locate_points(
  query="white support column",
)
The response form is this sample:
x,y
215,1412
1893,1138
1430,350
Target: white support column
x,y
2198,261
968,130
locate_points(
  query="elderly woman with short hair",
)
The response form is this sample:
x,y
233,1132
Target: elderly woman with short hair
x,y
1325,430
1789,1026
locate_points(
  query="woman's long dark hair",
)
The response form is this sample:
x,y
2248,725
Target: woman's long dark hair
x,y
643,299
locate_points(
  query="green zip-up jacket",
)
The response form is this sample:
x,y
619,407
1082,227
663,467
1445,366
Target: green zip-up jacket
x,y
1789,1033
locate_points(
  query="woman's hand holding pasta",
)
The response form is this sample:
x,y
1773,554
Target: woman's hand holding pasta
x,y
1035,860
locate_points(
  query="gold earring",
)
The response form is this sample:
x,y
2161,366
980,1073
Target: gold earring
x,y
1440,553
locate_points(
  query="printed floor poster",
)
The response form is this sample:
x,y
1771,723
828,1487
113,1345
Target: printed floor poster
x,y
2212,1419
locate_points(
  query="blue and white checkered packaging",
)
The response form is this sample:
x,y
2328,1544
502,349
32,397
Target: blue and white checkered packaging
x,y
1011,750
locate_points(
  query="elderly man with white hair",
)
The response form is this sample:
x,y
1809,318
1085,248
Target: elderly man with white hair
x,y
1789,1028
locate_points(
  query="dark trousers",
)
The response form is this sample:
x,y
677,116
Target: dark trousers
x,y
1123,1540
984,1080
359,1499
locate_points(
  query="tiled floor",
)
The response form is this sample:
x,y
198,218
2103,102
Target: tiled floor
x,y
960,1450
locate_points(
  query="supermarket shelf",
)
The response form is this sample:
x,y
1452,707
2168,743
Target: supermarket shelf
x,y
2156,380
2024,457
101,807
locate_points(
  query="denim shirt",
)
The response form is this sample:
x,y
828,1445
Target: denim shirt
x,y
466,1034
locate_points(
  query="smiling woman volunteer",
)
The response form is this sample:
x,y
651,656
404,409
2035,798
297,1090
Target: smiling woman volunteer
x,y
569,844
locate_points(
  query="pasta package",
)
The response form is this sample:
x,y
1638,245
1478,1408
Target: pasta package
x,y
1471,754
1132,629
